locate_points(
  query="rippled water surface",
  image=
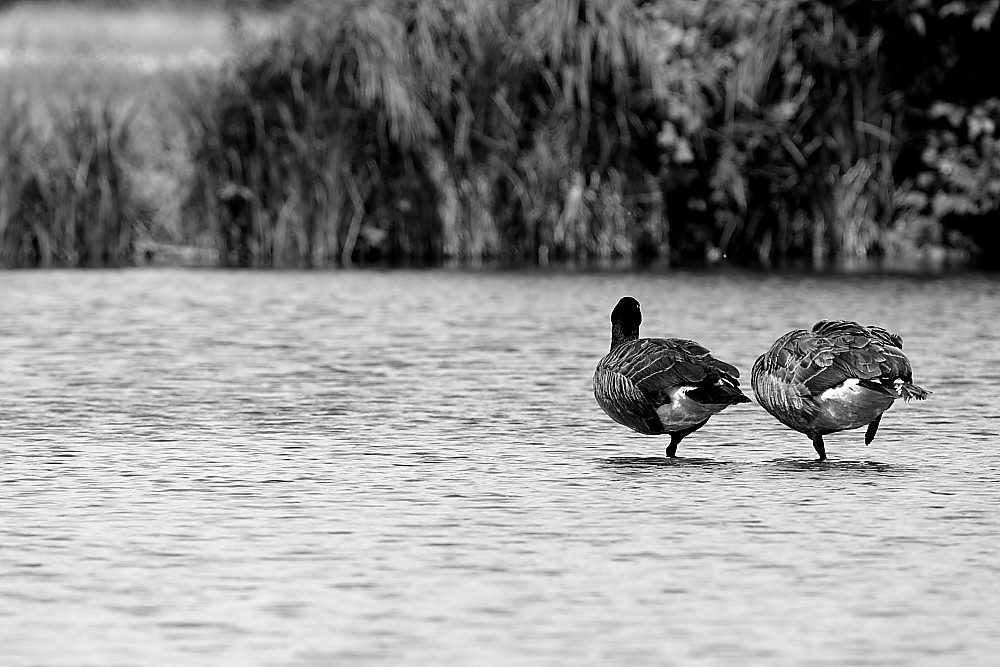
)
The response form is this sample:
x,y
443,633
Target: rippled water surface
x,y
224,468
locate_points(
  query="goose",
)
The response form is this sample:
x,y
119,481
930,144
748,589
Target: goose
x,y
661,386
837,376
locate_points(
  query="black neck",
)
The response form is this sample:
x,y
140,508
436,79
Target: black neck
x,y
621,334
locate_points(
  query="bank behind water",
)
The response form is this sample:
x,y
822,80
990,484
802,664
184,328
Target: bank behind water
x,y
594,133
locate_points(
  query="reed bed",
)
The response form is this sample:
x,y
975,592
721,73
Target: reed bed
x,y
449,132
292,156
586,132
65,193
93,158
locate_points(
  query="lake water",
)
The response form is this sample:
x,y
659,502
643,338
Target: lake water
x,y
409,468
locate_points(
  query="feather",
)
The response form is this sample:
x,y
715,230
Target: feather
x,y
639,376
836,376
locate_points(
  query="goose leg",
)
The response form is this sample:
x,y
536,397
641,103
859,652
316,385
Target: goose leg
x,y
872,428
818,445
677,436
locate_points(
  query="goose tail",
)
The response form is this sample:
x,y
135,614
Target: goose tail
x,y
740,398
718,394
911,392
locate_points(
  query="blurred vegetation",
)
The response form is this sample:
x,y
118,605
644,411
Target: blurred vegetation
x,y
592,132
65,195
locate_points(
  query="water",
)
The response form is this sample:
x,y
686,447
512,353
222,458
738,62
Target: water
x,y
409,468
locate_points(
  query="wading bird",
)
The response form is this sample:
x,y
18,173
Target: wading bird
x,y
839,375
661,385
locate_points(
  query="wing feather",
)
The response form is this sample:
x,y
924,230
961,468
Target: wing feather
x,y
624,402
835,351
657,365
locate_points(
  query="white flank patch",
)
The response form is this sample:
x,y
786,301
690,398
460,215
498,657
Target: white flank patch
x,y
850,405
842,390
683,412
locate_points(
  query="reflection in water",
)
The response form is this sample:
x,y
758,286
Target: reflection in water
x,y
846,467
660,461
409,468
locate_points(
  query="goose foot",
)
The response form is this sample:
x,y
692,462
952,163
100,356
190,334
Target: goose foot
x,y
676,437
819,447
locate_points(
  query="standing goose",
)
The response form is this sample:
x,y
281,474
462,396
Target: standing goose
x,y
838,376
661,385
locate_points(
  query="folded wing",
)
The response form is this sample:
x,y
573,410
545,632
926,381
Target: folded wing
x,y
635,379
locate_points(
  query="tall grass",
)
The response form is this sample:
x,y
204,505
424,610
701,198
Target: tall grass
x,y
531,131
95,150
66,198
550,130
296,147
603,98
806,140
458,132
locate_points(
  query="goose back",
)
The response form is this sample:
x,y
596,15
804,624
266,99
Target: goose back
x,y
637,377
801,367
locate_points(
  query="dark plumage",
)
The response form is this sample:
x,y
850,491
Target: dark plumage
x,y
661,385
837,376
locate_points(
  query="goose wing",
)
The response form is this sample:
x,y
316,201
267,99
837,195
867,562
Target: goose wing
x,y
634,380
625,402
847,350
656,365
810,362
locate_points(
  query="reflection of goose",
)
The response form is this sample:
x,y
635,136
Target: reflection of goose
x,y
838,376
661,385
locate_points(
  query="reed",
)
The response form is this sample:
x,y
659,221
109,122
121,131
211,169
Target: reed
x,y
456,132
94,155
292,150
807,140
444,132
66,197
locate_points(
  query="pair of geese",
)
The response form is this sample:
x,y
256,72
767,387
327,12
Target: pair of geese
x,y
837,376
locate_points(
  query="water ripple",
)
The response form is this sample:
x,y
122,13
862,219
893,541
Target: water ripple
x,y
409,468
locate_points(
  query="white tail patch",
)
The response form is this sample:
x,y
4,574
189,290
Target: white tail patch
x,y
843,390
682,412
